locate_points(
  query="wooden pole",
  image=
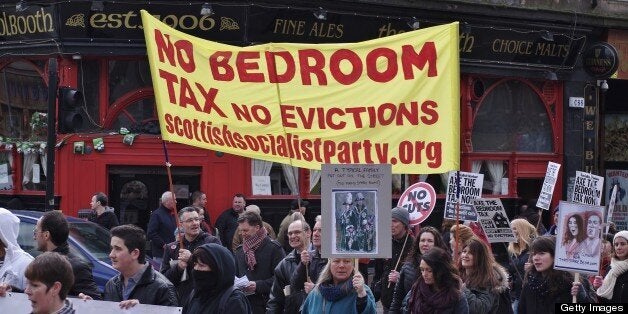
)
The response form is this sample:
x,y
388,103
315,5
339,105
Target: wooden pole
x,y
574,298
400,254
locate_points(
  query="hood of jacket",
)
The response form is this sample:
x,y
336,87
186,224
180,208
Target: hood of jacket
x,y
502,278
225,263
15,259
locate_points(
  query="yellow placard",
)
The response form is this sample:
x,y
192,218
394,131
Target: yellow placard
x,y
390,100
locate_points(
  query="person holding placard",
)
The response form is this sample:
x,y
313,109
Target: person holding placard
x,y
428,238
613,288
524,232
573,236
543,285
484,279
438,289
340,290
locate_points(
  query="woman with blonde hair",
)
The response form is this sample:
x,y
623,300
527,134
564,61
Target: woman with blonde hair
x,y
524,232
340,290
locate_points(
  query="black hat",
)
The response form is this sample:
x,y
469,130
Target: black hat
x,y
295,204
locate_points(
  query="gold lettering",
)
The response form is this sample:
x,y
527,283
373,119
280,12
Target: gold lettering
x,y
289,27
588,155
39,22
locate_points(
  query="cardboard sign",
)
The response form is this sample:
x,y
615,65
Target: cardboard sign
x,y
260,185
551,176
493,219
419,199
466,186
355,207
578,242
588,188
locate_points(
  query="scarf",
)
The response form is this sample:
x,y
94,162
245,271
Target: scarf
x,y
333,293
251,244
424,300
538,284
608,285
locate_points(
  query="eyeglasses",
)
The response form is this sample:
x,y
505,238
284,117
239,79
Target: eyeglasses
x,y
192,220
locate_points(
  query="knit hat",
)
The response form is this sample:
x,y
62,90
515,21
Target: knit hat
x,y
623,234
401,214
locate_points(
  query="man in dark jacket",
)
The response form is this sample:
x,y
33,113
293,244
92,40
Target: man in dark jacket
x,y
103,215
282,300
227,222
305,280
137,282
161,226
387,270
257,258
176,266
51,234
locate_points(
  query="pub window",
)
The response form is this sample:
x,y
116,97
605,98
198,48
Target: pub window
x,y
138,117
126,76
6,170
89,85
283,178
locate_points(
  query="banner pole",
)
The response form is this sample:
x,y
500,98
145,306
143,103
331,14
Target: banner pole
x,y
171,186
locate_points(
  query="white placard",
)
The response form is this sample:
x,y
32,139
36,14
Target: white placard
x,y
551,176
493,219
19,303
36,178
261,185
4,173
470,189
611,207
588,188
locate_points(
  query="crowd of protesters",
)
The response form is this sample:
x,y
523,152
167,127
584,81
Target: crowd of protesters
x,y
426,274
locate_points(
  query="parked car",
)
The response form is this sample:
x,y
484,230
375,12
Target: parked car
x,y
87,239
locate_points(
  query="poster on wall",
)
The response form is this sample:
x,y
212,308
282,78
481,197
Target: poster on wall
x,y
619,178
587,188
465,186
578,241
355,207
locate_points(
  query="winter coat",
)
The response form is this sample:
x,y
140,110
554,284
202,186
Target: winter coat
x,y
407,277
383,267
15,259
531,302
460,307
315,303
283,273
483,300
83,277
314,269
517,272
209,303
227,224
620,291
107,219
268,256
160,230
171,270
152,288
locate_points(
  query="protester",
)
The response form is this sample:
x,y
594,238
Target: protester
x,y
214,270
237,237
613,288
282,300
459,235
49,280
311,265
51,234
296,206
553,228
519,254
102,214
227,222
438,289
337,291
199,201
13,260
387,270
257,258
485,281
428,238
543,285
176,266
138,282
162,225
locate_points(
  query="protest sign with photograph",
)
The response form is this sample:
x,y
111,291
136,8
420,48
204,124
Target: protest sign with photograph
x,y
578,237
355,207
493,219
587,188
619,212
551,176
463,187
419,200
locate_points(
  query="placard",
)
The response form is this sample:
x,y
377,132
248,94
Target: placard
x,y
588,188
260,185
551,176
19,303
470,188
355,206
493,219
578,242
419,200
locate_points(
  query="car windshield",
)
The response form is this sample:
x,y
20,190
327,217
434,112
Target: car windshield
x,y
92,238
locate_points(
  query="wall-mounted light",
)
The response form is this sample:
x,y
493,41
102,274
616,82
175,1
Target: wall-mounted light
x,y
414,23
547,36
77,56
97,6
21,6
206,9
320,14
603,84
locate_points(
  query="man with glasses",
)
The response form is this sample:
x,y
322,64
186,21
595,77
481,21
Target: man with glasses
x,y
176,266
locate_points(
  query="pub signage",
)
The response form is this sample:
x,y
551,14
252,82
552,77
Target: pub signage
x,y
601,60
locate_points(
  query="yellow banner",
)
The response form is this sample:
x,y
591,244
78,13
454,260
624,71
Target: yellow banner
x,y
390,100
